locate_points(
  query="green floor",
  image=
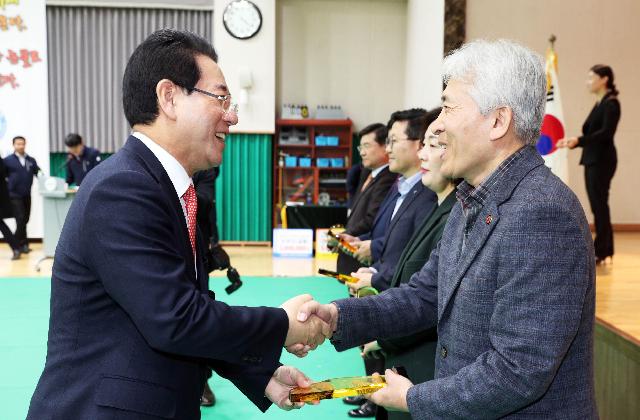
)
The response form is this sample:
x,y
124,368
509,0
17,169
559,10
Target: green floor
x,y
24,312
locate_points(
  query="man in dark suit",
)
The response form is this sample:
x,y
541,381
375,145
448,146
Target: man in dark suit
x,y
511,285
6,211
402,212
21,168
407,203
133,327
81,159
371,191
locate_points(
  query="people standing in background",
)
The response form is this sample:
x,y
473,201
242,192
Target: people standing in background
x,y
371,191
21,168
6,212
81,158
599,156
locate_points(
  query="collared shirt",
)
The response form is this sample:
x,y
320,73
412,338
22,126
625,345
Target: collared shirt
x,y
474,199
22,159
177,174
375,172
404,186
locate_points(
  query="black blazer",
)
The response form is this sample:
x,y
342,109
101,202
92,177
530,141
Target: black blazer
x,y
366,203
6,210
132,329
598,131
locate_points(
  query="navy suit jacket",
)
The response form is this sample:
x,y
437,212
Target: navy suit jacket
x,y
416,206
381,223
77,168
20,178
131,328
515,309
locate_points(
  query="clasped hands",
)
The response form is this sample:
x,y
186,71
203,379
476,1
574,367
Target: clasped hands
x,y
363,248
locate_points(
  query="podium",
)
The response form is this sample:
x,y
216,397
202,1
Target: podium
x,y
56,201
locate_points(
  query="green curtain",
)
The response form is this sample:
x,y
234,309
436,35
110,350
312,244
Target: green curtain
x,y
243,189
57,162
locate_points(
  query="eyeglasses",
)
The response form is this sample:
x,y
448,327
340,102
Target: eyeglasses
x,y
365,146
391,141
225,100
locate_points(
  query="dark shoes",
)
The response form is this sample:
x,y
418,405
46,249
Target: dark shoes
x,y
16,255
25,249
208,399
368,409
604,260
355,400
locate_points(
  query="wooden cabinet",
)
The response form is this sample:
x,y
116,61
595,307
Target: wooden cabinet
x,y
310,161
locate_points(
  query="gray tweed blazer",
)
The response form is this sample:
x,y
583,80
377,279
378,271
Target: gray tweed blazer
x,y
514,310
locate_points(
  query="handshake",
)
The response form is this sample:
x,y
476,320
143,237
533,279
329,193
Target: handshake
x,y
310,323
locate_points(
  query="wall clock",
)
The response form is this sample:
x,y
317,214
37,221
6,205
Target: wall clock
x,y
242,19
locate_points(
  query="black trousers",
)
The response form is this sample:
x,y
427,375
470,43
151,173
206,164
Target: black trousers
x,y
598,181
22,212
8,235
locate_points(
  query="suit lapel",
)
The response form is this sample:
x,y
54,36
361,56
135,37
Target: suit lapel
x,y
458,263
157,170
485,223
431,220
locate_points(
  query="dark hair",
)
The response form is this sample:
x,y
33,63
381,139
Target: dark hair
x,y
165,54
18,138
72,140
416,122
379,129
603,70
432,115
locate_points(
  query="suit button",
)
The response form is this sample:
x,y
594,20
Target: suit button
x,y
443,352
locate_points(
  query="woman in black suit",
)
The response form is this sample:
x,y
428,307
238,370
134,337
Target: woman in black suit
x,y
599,154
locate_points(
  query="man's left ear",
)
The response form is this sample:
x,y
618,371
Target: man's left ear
x,y
502,118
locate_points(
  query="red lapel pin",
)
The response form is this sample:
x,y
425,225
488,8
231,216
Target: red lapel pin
x,y
488,219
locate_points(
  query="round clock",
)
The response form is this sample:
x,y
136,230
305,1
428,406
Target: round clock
x,y
242,19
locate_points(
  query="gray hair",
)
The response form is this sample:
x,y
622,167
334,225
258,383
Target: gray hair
x,y
503,73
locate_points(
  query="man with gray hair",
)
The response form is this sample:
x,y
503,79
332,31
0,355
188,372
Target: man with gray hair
x,y
511,284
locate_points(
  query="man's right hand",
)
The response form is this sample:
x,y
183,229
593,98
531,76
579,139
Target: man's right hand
x,y
311,332
309,310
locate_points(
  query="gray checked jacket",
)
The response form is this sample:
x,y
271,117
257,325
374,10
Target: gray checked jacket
x,y
514,309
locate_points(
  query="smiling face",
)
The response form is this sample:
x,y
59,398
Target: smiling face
x,y
403,152
464,133
372,153
431,162
202,122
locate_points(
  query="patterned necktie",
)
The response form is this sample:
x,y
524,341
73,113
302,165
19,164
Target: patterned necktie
x,y
191,203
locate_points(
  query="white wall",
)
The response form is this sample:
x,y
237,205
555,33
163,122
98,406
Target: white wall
x,y
25,110
256,54
349,53
589,32
425,46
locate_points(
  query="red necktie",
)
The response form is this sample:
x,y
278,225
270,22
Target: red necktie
x,y
191,203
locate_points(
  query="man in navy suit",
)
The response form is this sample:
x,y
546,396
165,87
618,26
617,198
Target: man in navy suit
x,y
511,285
402,212
81,159
133,327
21,168
407,203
